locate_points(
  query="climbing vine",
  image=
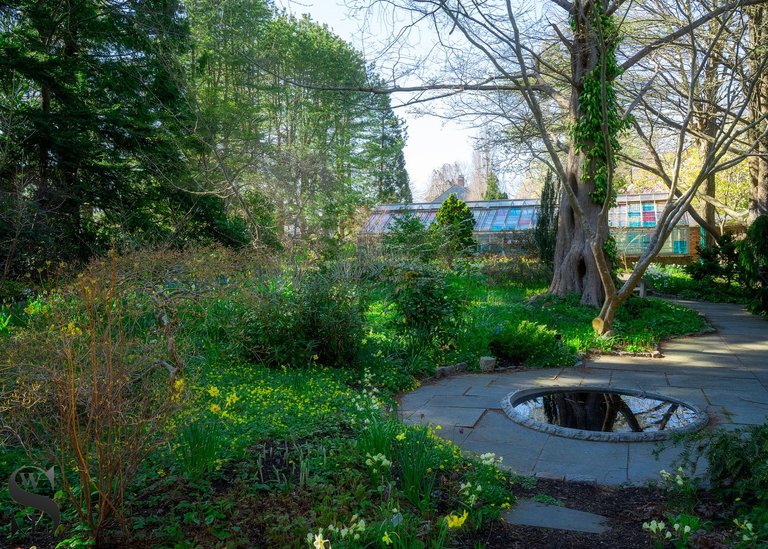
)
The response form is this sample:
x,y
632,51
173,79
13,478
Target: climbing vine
x,y
588,133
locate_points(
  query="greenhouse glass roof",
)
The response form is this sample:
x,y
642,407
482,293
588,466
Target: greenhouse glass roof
x,y
637,210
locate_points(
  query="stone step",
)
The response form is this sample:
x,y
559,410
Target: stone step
x,y
528,512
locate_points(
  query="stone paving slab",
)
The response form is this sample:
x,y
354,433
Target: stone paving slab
x,y
446,417
528,512
725,373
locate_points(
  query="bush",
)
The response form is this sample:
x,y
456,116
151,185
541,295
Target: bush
x,y
754,260
452,229
425,301
516,270
89,388
408,237
531,344
310,318
718,261
738,465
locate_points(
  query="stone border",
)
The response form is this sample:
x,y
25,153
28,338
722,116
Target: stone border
x,y
509,404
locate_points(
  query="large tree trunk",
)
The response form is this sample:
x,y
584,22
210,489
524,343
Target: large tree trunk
x,y
575,268
707,210
758,164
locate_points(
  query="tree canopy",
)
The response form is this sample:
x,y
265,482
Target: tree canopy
x,y
154,123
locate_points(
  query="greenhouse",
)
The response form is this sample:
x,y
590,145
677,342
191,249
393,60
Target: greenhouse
x,y
501,225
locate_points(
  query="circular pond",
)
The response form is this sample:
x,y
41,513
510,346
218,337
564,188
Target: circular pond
x,y
599,413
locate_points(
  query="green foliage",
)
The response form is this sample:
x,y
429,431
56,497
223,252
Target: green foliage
x,y
738,465
639,326
419,462
753,253
717,261
293,445
453,228
675,280
492,189
516,270
378,436
382,154
600,121
545,231
304,321
199,447
94,151
547,500
407,236
425,301
531,344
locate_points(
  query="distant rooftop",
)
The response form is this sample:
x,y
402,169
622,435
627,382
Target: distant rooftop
x,y
631,210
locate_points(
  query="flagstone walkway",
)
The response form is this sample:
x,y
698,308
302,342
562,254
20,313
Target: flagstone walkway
x,y
724,373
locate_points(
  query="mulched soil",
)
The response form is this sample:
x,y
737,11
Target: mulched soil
x,y
625,508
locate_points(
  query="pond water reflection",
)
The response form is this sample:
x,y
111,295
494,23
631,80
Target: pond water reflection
x,y
606,411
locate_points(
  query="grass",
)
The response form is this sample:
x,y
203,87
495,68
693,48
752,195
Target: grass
x,y
641,323
673,280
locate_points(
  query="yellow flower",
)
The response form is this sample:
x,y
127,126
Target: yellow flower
x,y
506,505
231,399
438,427
386,539
71,330
179,384
215,408
456,522
315,357
401,436
213,391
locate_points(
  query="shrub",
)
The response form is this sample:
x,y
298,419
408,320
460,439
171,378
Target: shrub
x,y
331,316
424,300
717,261
531,344
90,390
754,260
408,237
738,464
516,270
545,230
452,230
309,318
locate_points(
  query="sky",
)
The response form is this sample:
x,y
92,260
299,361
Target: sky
x,y
431,141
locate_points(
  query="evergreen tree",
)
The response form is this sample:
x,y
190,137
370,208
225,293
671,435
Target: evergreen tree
x,y
383,155
408,236
545,231
492,190
95,152
453,229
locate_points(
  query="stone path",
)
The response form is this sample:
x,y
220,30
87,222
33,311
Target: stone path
x,y
725,373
